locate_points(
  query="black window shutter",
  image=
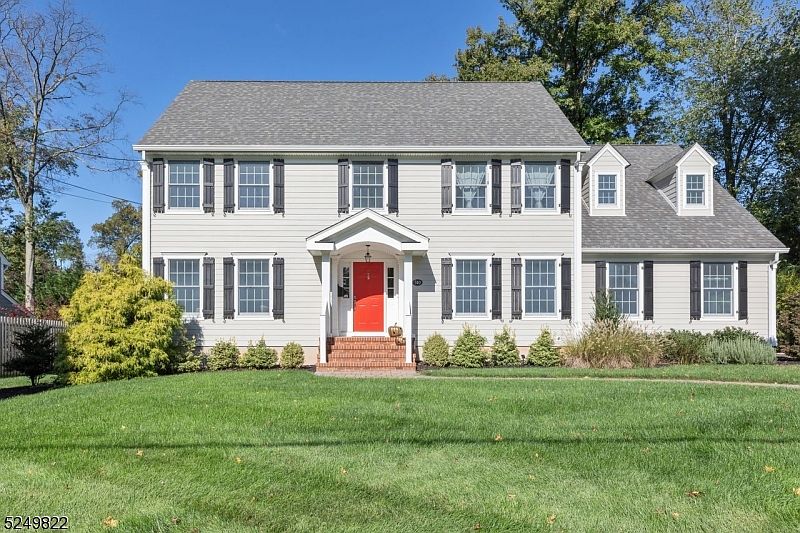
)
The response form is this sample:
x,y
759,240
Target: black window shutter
x,y
497,288
158,267
516,186
278,181
743,315
447,186
208,287
566,288
565,185
599,278
208,185
695,288
344,186
648,290
393,183
230,202
277,287
497,186
447,288
227,282
516,287
158,184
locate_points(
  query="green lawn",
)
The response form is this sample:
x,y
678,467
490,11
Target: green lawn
x,y
248,451
755,373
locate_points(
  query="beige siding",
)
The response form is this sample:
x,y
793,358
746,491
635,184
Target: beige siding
x,y
311,205
607,164
671,294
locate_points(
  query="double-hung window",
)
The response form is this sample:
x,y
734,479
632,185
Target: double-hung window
x,y
184,184
718,289
185,277
471,186
253,286
368,185
253,185
606,189
471,287
695,189
623,287
540,287
540,185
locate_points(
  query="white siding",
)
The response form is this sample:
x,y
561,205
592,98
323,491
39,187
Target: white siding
x,y
607,164
311,205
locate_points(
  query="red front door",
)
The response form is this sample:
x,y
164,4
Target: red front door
x,y
368,297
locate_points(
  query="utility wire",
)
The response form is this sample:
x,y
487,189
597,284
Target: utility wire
x,y
82,197
94,191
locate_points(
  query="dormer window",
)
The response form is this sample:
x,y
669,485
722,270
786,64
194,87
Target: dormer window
x,y
607,189
695,189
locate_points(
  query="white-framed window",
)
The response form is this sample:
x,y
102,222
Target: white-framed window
x,y
718,289
471,287
368,186
184,184
186,282
624,282
471,186
252,286
695,189
253,184
540,185
541,287
607,189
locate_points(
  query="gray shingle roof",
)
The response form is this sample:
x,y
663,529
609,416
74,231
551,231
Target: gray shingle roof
x,y
414,114
651,222
6,302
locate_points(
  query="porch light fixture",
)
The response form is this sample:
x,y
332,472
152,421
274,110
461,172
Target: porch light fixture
x,y
367,256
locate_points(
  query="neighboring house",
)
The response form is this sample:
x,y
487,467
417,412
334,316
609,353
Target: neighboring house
x,y
304,211
6,301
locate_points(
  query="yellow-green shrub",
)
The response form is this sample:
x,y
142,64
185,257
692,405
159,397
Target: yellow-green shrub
x,y
292,356
436,351
224,354
259,355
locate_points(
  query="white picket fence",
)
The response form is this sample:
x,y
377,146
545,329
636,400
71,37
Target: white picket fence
x,y
8,328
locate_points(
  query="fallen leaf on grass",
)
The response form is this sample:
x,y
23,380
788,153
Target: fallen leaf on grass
x,y
694,493
237,459
498,437
477,526
110,521
175,520
139,453
343,471
551,519
676,515
769,469
797,491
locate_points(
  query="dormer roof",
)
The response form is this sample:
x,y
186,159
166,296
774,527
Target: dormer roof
x,y
669,166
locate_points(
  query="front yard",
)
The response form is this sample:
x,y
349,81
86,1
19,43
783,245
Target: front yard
x,y
248,450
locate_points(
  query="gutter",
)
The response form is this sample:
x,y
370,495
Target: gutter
x,y
301,148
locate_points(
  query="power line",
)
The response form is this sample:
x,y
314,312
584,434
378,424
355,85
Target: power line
x,y
83,197
95,192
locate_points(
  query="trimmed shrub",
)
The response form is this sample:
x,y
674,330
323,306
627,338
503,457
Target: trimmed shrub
x,y
543,351
605,310
743,351
224,354
504,349
605,344
468,349
120,326
684,346
292,356
436,351
259,355
191,360
730,333
37,347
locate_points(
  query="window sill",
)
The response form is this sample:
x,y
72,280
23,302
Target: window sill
x,y
253,316
719,318
474,317
546,212
539,318
253,210
473,212
183,211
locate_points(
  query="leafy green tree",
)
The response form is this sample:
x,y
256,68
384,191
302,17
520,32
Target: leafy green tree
x,y
119,234
120,325
604,61
59,256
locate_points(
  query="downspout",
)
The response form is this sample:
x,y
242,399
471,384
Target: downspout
x,y
577,245
147,213
772,304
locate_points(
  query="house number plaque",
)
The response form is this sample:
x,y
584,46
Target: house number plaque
x,y
417,282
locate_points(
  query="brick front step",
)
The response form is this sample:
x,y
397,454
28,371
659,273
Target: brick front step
x,y
364,354
367,353
341,366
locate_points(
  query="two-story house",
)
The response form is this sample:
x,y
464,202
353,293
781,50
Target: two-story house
x,y
319,212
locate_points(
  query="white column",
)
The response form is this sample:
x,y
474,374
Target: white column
x,y
408,301
577,248
147,213
324,306
334,295
772,304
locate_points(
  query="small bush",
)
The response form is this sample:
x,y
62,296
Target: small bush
x,y
605,310
191,363
743,351
37,347
504,349
543,351
684,346
436,351
292,356
605,344
259,355
468,349
224,354
730,333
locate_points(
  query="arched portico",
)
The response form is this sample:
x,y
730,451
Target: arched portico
x,y
367,274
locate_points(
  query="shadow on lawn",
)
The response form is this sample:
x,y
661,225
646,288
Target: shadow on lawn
x,y
10,392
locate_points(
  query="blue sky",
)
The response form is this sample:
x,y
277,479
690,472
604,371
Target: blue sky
x,y
155,47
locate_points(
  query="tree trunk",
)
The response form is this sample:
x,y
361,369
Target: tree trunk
x,y
29,253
